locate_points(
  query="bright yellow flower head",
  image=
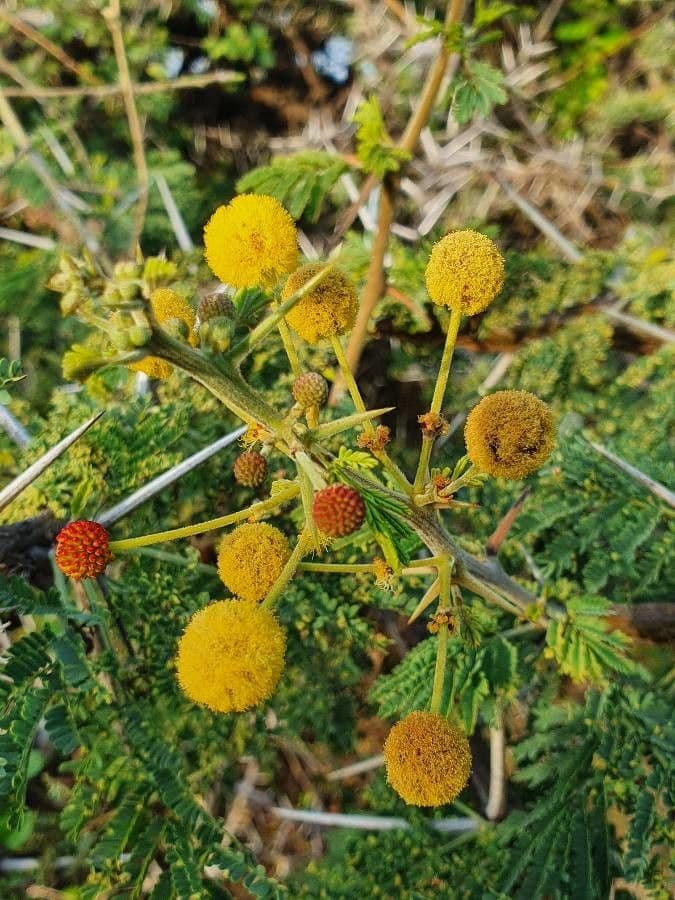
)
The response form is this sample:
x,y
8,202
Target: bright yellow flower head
x,y
327,310
250,559
231,656
509,434
428,760
166,304
465,272
251,242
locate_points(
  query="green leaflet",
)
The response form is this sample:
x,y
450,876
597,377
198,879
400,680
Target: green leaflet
x,y
585,648
302,182
374,146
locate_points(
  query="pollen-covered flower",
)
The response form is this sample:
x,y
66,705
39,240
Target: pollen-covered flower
x,y
327,310
167,304
82,549
231,656
465,272
509,434
428,760
251,242
250,559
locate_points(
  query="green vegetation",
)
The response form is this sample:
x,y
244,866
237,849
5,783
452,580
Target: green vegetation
x,y
547,129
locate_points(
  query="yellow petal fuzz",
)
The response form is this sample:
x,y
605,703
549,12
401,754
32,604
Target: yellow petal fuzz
x,y
250,559
231,656
465,272
251,242
326,311
166,304
509,434
428,760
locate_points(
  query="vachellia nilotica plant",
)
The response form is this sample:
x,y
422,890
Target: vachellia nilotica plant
x,y
231,655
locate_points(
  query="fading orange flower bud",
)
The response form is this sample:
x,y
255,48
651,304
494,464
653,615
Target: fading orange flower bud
x,y
509,434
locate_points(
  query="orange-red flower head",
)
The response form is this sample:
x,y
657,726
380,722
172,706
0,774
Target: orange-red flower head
x,y
83,549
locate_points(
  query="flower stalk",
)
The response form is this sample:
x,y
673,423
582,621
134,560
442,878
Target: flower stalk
x,y
174,534
302,547
422,474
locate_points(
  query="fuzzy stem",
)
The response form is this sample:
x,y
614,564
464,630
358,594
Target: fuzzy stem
x,y
357,400
289,347
159,537
439,671
303,545
349,379
422,473
337,568
226,384
487,593
307,494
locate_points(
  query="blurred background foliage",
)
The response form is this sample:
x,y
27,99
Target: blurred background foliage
x,y
261,96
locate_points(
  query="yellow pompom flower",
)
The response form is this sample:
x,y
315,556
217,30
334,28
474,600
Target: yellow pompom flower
x,y
428,760
251,242
326,311
250,559
231,656
167,304
509,434
465,272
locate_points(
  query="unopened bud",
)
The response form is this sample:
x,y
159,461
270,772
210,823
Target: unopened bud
x,y
176,328
139,335
217,333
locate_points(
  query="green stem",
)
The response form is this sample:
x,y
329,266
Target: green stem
x,y
350,381
439,671
159,537
289,347
303,545
226,384
467,580
307,495
422,473
357,400
337,568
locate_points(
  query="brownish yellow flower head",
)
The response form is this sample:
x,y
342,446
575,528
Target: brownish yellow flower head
x,y
509,434
167,304
250,559
231,656
327,310
428,760
251,242
465,272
